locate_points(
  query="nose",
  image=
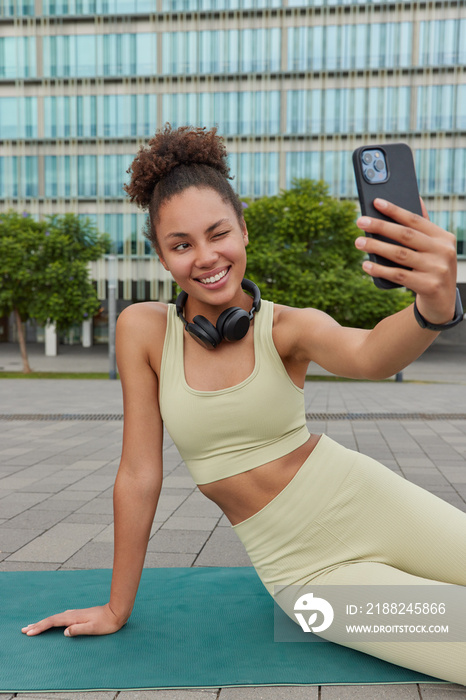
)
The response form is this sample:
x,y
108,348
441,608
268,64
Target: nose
x,y
206,255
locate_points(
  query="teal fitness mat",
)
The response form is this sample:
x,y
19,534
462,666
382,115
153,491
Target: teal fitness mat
x,y
191,628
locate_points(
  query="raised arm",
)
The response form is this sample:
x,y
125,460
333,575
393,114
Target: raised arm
x,y
430,252
139,478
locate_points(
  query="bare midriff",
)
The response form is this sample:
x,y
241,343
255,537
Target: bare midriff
x,y
243,495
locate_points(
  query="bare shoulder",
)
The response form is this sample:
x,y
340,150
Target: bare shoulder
x,y
139,343
144,315
293,328
144,323
284,315
140,335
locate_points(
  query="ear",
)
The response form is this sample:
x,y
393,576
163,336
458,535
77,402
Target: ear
x,y
164,264
244,231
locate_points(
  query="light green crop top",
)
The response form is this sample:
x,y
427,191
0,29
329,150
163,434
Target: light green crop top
x,y
226,432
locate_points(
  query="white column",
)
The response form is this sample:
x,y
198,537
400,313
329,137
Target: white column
x,y
87,333
51,340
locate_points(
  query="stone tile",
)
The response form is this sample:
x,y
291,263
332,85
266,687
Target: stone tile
x,y
34,519
197,505
223,548
16,482
15,503
157,560
89,464
14,538
369,692
27,566
461,488
60,695
455,474
68,494
94,555
106,535
422,461
85,518
170,502
92,482
177,541
271,693
184,694
434,691
101,506
182,482
57,544
176,522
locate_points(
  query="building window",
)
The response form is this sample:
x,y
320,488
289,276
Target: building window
x,y
193,5
349,46
18,117
92,7
19,177
126,232
245,113
86,176
442,42
441,171
441,107
255,174
17,8
334,167
118,116
17,57
348,110
222,51
99,54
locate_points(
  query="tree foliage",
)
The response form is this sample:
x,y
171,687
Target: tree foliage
x,y
44,268
301,253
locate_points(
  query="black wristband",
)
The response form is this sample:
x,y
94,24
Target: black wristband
x,y
458,317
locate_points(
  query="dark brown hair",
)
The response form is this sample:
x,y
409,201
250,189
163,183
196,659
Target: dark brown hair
x,y
174,160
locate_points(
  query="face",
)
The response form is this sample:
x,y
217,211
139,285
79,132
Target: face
x,y
203,245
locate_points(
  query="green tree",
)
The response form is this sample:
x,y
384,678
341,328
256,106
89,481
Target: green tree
x,y
301,253
44,270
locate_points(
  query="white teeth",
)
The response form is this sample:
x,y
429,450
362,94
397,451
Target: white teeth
x,y
215,278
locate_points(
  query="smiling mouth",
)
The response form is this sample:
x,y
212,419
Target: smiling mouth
x,y
213,278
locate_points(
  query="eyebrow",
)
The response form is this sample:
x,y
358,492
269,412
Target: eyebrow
x,y
209,229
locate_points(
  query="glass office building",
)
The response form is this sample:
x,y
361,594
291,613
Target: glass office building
x,y
294,86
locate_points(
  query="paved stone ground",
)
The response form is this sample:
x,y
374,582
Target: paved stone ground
x,y
56,480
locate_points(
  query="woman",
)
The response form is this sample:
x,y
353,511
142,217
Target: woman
x,y
306,508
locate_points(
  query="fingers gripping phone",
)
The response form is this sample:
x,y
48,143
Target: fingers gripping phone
x,y
385,171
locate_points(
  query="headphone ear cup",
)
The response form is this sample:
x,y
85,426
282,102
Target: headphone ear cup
x,y
233,323
204,332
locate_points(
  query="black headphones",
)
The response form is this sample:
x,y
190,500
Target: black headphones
x,y
232,324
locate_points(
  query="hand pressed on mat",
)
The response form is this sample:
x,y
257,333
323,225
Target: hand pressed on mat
x,y
92,621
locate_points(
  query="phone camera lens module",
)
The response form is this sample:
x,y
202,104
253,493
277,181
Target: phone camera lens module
x,y
370,174
367,158
379,165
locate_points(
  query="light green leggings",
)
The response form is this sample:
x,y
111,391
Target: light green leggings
x,y
345,519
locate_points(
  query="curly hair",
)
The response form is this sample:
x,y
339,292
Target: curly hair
x,y
174,160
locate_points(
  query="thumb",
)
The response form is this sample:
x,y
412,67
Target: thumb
x,y
78,629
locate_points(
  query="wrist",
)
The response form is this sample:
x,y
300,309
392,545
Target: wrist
x,y
439,326
120,613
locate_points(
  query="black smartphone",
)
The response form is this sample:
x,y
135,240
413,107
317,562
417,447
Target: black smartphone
x,y
386,171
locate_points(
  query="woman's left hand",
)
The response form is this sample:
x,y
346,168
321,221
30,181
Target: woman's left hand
x,y
428,250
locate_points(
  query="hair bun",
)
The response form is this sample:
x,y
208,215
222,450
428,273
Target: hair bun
x,y
168,149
